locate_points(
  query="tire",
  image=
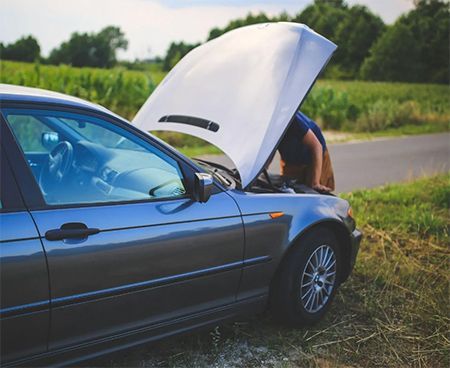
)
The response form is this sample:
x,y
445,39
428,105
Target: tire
x,y
297,282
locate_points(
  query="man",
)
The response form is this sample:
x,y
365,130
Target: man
x,y
304,155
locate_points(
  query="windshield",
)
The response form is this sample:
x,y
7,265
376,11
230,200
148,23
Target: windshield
x,y
93,133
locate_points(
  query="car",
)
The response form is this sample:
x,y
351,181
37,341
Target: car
x,y
111,238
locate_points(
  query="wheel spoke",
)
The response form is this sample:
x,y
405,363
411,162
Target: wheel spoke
x,y
325,257
316,260
328,259
319,298
307,293
311,296
331,265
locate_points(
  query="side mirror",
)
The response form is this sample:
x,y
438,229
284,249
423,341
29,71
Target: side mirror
x,y
203,186
49,140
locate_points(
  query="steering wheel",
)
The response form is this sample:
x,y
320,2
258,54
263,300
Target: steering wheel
x,y
59,163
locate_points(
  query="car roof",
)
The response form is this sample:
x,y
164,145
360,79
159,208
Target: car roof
x,y
12,92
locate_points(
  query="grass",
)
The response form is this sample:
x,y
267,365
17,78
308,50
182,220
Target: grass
x,y
333,136
392,312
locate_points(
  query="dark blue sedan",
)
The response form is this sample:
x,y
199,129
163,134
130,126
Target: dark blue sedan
x,y
111,238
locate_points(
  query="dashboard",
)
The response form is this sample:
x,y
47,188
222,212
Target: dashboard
x,y
99,173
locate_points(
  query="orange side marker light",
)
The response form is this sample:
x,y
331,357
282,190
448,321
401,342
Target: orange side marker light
x,y
350,212
275,215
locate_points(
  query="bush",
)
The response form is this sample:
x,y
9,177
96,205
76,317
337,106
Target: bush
x,y
331,108
385,114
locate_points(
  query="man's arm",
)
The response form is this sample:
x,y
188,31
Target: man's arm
x,y
311,141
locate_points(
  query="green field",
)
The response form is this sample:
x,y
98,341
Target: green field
x,y
392,312
362,108
120,90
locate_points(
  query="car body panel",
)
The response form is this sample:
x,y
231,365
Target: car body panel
x,y
36,95
246,85
184,252
300,212
17,226
212,317
24,302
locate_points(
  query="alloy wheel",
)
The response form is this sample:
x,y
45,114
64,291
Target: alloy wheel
x,y
318,279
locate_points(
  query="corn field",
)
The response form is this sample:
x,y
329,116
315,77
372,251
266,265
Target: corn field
x,y
338,105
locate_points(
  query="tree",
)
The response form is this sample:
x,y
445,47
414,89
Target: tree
x,y
175,52
415,49
323,16
393,57
355,35
24,49
353,29
241,22
95,49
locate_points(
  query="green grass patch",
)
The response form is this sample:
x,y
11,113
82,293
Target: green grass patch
x,y
392,312
403,131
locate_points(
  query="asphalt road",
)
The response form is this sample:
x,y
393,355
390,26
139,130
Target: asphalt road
x,y
373,163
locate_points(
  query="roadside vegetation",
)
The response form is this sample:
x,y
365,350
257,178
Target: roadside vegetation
x,y
392,312
122,91
359,109
356,106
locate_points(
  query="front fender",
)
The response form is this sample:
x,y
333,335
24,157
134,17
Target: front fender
x,y
272,237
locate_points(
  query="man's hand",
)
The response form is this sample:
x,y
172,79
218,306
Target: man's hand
x,y
321,188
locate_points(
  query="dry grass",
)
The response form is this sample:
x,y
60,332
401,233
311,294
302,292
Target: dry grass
x,y
392,312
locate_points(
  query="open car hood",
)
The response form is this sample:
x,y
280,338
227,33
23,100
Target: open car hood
x,y
240,91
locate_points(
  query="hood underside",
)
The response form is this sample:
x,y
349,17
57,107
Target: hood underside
x,y
240,91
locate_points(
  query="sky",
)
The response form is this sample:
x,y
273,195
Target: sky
x,y
149,25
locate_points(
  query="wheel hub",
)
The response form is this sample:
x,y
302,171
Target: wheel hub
x,y
319,281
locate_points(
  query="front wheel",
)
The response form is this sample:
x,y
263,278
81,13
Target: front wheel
x,y
308,279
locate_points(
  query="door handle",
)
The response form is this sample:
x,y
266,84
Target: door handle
x,y
71,230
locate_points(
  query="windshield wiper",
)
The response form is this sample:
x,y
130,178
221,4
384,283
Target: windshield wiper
x,y
215,165
215,171
221,177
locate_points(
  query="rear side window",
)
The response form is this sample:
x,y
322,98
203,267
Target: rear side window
x,y
78,159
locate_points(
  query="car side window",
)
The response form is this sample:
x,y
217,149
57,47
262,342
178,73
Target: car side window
x,y
85,159
27,129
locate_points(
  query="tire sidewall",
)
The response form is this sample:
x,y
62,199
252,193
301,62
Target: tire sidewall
x,y
289,297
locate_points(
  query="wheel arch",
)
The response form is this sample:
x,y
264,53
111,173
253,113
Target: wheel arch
x,y
342,235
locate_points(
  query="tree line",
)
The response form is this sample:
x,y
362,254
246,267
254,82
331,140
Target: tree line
x,y
82,49
413,49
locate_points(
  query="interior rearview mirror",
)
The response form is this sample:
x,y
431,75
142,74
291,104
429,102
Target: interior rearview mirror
x,y
203,186
49,140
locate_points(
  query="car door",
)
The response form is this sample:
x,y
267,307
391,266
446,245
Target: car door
x,y
24,291
126,245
